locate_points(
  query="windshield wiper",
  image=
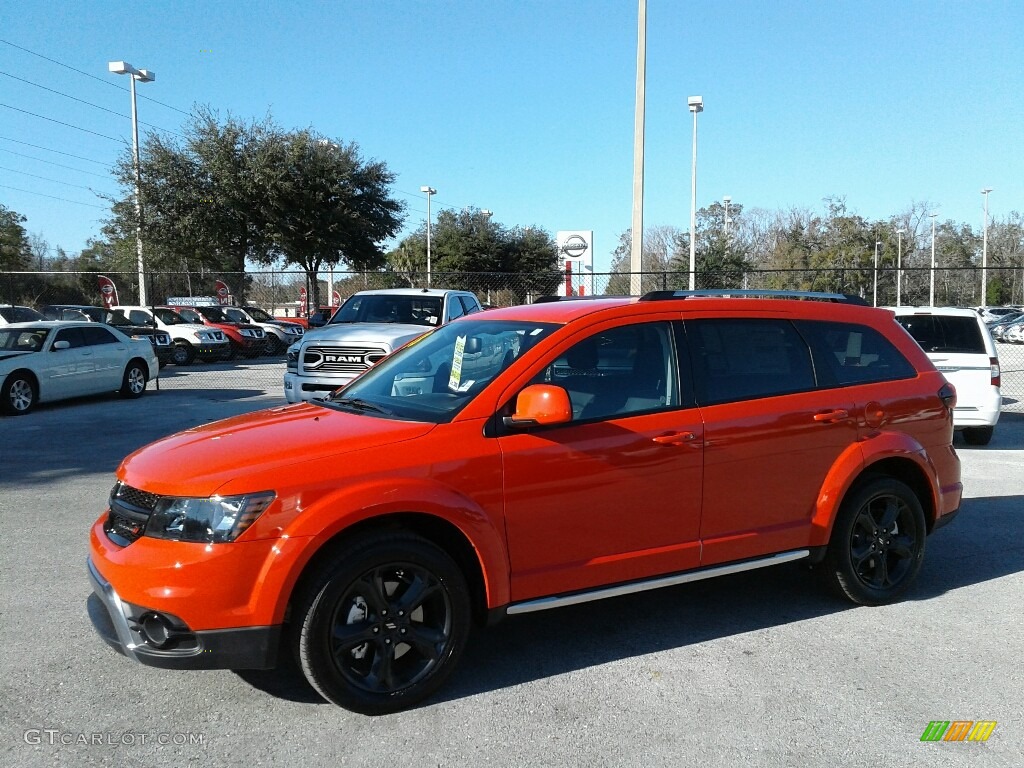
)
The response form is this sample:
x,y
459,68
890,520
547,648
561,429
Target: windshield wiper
x,y
360,405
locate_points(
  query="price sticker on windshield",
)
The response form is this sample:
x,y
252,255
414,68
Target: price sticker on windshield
x,y
456,377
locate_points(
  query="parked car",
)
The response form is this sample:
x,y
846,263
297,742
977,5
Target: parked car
x,y
280,333
365,329
51,360
523,459
999,329
960,345
994,314
17,314
246,339
191,340
161,340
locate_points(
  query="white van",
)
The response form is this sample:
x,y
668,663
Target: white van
x,y
960,345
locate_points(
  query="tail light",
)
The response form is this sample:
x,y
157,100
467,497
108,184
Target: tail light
x,y
996,374
947,394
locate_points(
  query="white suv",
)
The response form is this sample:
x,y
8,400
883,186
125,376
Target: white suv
x,y
369,326
960,345
191,340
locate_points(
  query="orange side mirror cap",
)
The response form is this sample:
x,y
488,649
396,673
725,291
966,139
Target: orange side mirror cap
x,y
541,405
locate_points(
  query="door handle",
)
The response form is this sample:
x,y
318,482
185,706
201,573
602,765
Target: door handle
x,y
831,417
675,438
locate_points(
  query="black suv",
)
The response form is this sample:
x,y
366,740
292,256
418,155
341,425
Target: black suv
x,y
161,340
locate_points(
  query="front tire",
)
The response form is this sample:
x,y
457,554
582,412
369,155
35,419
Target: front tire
x,y
183,353
134,382
383,624
877,543
20,394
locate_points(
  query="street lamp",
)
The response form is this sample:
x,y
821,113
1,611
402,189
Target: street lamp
x,y
931,290
727,200
899,265
984,253
143,76
874,294
428,191
696,104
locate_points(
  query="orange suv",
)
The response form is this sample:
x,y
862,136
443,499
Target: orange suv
x,y
523,459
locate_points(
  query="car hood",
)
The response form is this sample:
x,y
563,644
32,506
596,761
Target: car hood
x,y
260,445
395,334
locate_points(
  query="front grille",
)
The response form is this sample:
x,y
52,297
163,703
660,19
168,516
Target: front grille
x,y
130,509
318,359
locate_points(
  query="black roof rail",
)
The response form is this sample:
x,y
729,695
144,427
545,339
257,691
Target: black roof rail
x,y
754,293
591,297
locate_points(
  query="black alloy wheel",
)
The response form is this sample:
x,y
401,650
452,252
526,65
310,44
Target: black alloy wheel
x,y
878,542
384,624
183,353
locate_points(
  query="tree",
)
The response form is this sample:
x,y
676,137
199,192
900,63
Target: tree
x,y
15,251
326,205
656,256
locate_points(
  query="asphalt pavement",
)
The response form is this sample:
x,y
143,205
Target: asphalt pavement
x,y
764,668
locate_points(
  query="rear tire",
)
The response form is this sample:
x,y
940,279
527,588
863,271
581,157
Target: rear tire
x,y
877,543
382,625
134,382
20,394
978,435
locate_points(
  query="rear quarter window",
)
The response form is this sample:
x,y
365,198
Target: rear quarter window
x,y
846,353
945,333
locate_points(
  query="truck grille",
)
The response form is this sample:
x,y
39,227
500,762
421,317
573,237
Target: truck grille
x,y
323,359
130,509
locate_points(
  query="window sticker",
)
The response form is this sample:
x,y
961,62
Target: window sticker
x,y
460,350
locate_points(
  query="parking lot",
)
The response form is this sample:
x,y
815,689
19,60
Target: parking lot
x,y
764,668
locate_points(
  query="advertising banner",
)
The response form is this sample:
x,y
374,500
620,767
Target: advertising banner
x,y
223,293
108,291
576,261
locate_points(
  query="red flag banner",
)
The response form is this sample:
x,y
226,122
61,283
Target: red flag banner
x,y
108,291
336,300
302,301
223,293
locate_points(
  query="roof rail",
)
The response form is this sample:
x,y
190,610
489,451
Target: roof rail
x,y
591,297
754,293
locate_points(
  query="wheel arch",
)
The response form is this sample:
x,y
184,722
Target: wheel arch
x,y
441,532
31,375
895,455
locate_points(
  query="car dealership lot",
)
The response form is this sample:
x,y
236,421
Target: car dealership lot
x,y
766,667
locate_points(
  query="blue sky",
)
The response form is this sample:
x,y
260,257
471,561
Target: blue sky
x,y
526,107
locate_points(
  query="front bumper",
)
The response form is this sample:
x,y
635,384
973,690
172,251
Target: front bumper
x,y
122,626
213,351
302,389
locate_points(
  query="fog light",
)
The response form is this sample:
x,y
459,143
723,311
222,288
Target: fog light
x,y
156,630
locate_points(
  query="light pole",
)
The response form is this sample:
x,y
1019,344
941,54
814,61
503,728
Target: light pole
x,y
696,104
636,244
143,76
874,293
899,266
428,191
727,199
931,289
984,253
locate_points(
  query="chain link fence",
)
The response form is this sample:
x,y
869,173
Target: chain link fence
x,y
278,292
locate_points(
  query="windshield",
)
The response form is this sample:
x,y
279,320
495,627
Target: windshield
x,y
258,315
115,318
390,308
213,314
236,315
170,317
432,378
22,339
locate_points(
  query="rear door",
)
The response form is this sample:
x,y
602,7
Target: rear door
x,y
771,435
109,355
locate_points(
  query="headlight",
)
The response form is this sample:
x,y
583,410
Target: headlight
x,y
291,359
213,520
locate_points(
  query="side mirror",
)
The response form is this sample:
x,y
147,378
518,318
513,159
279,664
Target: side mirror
x,y
540,405
62,344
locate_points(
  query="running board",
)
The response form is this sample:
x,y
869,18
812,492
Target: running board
x,y
544,603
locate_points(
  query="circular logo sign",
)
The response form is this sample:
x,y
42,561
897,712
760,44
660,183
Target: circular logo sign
x,y
574,247
222,291
107,289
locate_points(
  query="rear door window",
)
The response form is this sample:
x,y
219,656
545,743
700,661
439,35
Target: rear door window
x,y
743,359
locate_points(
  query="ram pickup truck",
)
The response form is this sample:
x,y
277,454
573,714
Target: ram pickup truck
x,y
369,326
